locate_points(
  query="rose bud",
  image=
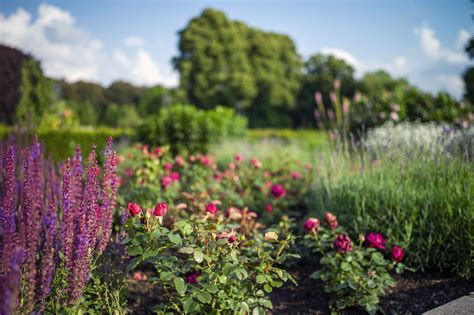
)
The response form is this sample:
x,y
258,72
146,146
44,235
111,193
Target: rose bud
x,y
232,239
312,224
277,191
233,213
161,209
342,243
256,163
268,207
211,208
158,151
375,240
134,209
397,253
271,236
331,220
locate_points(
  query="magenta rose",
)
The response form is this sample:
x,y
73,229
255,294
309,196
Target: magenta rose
x,y
191,278
175,177
168,166
277,191
161,209
343,243
211,208
268,207
134,209
375,240
397,253
166,181
238,157
312,224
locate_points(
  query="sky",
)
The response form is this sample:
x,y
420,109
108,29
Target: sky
x,y
105,40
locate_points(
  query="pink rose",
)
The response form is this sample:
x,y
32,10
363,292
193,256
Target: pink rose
x,y
158,151
331,220
175,177
277,191
161,209
211,208
134,209
205,160
375,240
179,160
342,243
296,175
312,224
397,253
256,163
166,181
238,157
168,166
218,176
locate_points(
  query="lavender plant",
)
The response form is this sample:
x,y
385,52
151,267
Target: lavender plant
x,y
49,240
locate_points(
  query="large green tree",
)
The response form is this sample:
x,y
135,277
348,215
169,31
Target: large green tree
x,y
36,93
468,75
320,73
227,62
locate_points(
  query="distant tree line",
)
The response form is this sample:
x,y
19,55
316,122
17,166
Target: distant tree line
x,y
223,62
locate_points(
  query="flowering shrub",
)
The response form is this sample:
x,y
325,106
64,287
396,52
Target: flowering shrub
x,y
205,265
354,273
49,239
245,190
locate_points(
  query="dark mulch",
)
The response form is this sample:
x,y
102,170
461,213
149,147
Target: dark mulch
x,y
415,293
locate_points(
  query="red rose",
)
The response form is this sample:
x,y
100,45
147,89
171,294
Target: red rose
x,y
342,243
232,239
312,224
134,209
397,253
191,278
161,209
375,240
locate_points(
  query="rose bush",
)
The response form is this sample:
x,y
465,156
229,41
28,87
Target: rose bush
x,y
354,273
205,265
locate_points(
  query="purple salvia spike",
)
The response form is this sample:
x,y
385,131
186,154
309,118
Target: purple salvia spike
x,y
90,199
109,191
10,284
67,226
80,272
8,211
47,255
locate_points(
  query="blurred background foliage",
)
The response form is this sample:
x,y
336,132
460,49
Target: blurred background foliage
x,y
256,74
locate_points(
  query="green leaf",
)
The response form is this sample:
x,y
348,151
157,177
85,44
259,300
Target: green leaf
x,y
175,238
261,279
198,256
204,297
212,288
135,250
189,305
258,311
149,253
155,233
345,266
267,288
180,285
166,276
133,263
186,250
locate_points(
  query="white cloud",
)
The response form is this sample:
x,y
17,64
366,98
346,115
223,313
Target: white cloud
x,y
134,41
451,83
67,51
463,38
143,69
359,67
431,46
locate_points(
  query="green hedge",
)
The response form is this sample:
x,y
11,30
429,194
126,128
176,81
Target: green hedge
x,y
307,138
61,143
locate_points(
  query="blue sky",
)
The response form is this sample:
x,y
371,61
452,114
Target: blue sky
x,y
103,41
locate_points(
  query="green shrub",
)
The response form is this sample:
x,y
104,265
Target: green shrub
x,y
188,129
306,138
421,198
59,143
